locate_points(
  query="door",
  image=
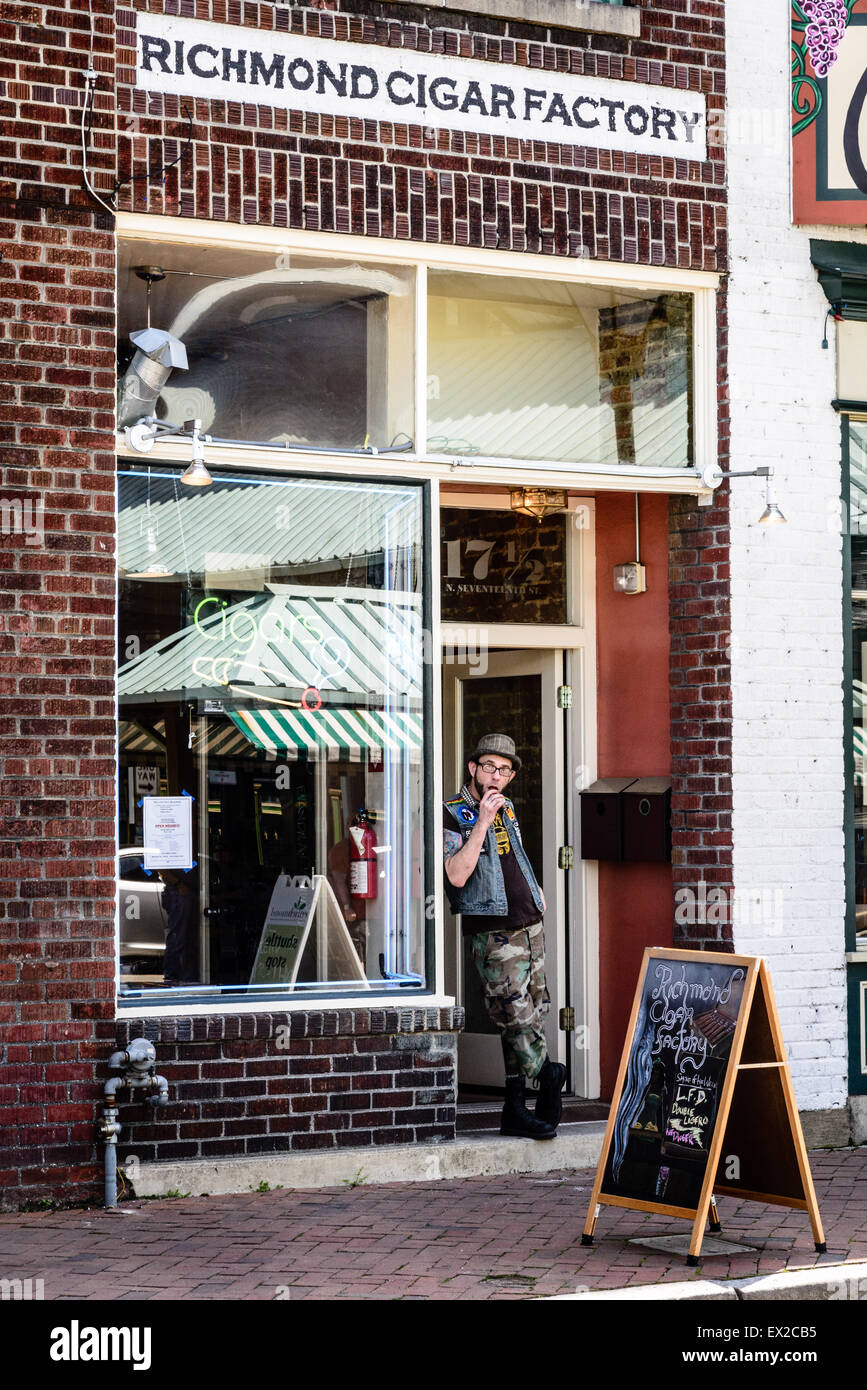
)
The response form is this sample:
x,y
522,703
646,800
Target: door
x,y
513,692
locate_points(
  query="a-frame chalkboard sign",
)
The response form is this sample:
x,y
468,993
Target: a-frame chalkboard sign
x,y
703,1103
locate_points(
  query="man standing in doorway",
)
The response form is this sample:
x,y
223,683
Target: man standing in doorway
x,y
490,882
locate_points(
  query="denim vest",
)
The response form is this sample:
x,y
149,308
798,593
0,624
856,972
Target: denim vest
x,y
484,893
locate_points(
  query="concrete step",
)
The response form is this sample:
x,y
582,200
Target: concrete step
x,y
483,1113
472,1155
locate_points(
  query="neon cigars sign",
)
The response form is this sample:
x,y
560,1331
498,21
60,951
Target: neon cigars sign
x,y
242,634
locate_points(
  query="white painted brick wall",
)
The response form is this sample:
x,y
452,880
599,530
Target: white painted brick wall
x,y
787,644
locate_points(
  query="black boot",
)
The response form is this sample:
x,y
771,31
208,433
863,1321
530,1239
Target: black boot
x,y
551,1079
517,1120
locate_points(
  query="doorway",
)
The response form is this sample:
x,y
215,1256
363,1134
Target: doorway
x,y
513,692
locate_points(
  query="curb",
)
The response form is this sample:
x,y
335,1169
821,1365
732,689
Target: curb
x,y
821,1283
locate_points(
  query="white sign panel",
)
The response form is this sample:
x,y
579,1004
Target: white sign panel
x,y
168,832
286,925
229,63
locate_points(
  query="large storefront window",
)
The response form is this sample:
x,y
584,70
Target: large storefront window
x,y
271,700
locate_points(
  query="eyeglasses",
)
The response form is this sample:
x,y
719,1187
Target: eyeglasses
x,y
493,770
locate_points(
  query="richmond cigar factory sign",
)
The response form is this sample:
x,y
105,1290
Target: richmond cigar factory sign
x,y
229,63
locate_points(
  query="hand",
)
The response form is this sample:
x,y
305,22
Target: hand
x,y
490,805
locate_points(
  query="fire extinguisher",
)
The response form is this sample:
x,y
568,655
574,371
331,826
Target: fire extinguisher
x,y
362,857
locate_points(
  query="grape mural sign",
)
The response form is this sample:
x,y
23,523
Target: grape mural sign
x,y
829,111
703,1104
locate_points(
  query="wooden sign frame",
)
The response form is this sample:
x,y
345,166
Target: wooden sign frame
x,y
756,1117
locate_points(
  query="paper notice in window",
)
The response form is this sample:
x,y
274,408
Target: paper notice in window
x,y
168,832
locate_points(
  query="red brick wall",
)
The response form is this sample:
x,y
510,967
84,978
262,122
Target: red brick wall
x,y
259,165
319,1079
57,811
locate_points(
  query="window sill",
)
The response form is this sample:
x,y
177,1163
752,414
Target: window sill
x,y
137,1009
587,15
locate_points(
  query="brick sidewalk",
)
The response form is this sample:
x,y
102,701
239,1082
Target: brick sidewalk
x,y
479,1238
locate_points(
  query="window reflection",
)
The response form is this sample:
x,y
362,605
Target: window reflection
x,y
287,350
523,368
271,669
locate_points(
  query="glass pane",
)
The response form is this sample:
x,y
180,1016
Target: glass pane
x,y
538,369
271,673
295,350
500,567
491,706
858,542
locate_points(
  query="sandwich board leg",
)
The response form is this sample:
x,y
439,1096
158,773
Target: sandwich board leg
x,y
793,1116
698,1226
590,1224
715,1224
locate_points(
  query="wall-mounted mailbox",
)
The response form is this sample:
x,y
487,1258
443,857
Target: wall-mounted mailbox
x,y
602,818
647,820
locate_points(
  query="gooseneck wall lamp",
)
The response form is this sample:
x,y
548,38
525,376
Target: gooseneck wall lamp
x,y
144,433
713,475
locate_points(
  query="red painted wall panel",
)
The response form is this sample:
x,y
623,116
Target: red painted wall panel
x,y
635,900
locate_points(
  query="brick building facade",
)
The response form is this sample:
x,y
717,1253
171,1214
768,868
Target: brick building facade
x,y
348,1075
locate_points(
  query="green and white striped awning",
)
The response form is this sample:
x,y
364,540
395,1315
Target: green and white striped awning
x,y
331,733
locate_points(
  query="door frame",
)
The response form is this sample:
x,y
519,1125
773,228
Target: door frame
x,y
578,944
481,1055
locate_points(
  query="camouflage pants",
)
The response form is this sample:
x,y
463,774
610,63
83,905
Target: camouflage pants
x,y
512,969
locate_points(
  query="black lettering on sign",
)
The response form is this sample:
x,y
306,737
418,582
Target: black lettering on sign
x,y
238,65
663,119
300,74
154,48
359,73
474,100
193,60
502,97
449,101
578,118
851,143
532,101
394,96
557,110
612,107
274,70
636,119
326,74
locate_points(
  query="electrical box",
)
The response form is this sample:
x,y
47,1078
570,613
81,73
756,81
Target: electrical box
x,y
647,820
602,818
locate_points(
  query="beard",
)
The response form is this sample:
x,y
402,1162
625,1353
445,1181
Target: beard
x,y
478,792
